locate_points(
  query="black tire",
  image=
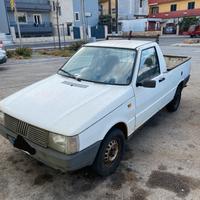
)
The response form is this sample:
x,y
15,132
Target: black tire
x,y
103,165
174,104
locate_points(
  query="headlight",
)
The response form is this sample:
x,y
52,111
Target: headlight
x,y
64,144
1,118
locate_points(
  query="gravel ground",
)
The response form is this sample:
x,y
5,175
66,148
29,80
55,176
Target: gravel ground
x,y
161,161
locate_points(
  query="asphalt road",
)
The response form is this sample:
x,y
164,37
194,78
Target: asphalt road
x,y
161,161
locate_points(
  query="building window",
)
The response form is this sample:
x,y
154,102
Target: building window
x,y
22,18
113,11
77,18
191,5
59,11
154,10
141,3
54,6
37,19
173,7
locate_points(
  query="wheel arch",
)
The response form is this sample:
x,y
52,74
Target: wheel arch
x,y
122,126
181,84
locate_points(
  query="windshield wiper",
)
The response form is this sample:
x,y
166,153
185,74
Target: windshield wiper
x,y
70,75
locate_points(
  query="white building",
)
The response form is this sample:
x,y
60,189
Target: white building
x,y
66,16
70,14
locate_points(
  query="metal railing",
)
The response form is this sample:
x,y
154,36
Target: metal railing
x,y
132,35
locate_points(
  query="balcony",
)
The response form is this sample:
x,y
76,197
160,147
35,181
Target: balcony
x,y
32,30
176,14
37,6
153,2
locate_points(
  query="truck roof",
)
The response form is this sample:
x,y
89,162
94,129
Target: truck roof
x,y
126,44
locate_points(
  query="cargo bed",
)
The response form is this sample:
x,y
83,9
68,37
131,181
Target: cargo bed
x,y
174,61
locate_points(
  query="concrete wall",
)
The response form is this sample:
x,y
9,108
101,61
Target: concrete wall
x,y
66,12
128,9
4,28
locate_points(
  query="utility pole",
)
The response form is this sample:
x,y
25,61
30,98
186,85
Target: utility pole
x,y
110,14
116,12
63,30
18,27
14,8
82,4
57,22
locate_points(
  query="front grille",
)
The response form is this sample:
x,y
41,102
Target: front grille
x,y
36,135
22,128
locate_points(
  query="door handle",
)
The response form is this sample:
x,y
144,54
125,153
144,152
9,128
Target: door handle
x,y
161,80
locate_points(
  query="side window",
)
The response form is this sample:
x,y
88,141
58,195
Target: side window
x,y
149,65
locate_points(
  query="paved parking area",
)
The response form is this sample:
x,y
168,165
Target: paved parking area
x,y
161,162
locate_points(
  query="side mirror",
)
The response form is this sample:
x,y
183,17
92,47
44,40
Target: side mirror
x,y
147,84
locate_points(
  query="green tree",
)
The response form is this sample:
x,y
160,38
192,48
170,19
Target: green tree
x,y
186,22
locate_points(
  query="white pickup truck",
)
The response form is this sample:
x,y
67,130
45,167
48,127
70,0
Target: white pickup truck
x,y
83,115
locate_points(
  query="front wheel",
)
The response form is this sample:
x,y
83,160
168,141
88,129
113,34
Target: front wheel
x,y
110,153
174,104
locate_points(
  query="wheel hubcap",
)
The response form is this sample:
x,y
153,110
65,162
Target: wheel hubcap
x,y
111,152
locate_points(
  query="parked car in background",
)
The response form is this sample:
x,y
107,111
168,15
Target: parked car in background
x,y
84,114
1,44
169,30
194,31
3,56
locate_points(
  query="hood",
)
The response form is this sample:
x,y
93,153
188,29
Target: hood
x,y
63,105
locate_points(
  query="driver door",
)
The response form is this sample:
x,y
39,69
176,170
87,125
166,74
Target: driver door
x,y
147,99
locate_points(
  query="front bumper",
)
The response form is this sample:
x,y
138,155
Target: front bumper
x,y
56,159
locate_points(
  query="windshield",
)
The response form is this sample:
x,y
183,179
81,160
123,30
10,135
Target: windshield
x,y
102,65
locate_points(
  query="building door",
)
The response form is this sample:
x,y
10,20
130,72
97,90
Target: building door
x,y
69,25
77,34
98,32
37,19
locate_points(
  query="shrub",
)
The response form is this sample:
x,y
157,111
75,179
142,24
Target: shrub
x,y
25,52
75,45
58,52
186,22
10,54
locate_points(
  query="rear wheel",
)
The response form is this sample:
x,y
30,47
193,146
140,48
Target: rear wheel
x,y
110,153
174,104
